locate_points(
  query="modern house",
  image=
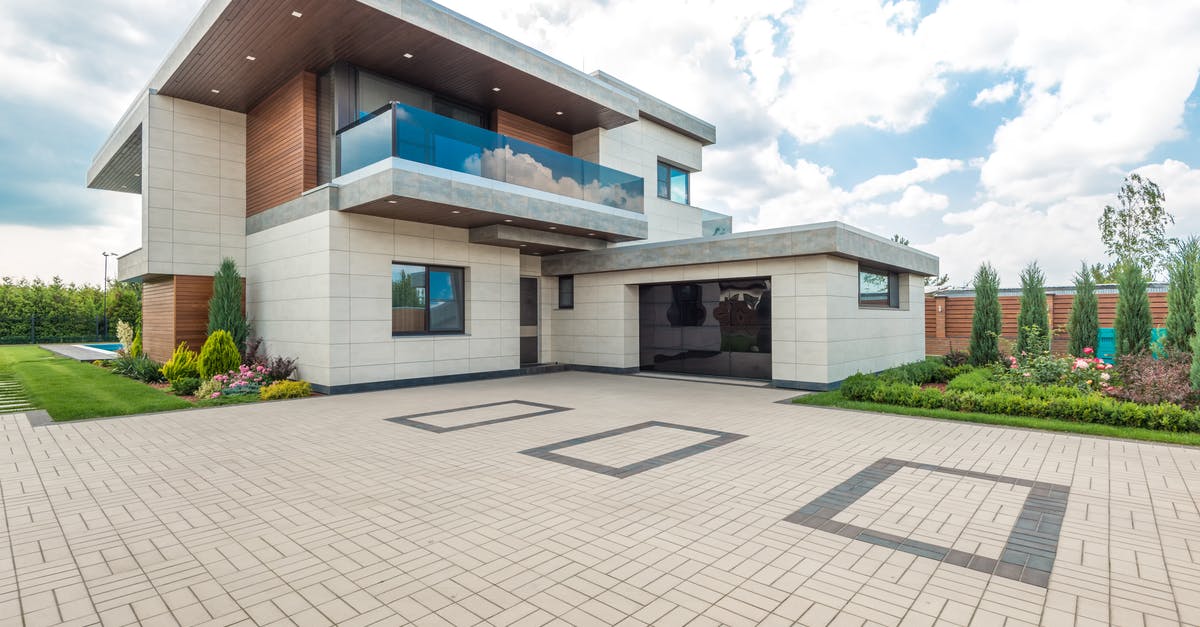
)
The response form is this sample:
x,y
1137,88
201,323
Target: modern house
x,y
415,198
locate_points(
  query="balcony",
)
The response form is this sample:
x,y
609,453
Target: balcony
x,y
423,137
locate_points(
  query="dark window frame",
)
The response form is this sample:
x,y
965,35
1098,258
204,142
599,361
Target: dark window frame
x,y
671,169
893,293
568,279
460,294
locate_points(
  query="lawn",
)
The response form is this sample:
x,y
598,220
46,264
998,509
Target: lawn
x,y
835,399
69,389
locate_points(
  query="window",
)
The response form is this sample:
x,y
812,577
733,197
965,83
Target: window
x,y
566,292
878,288
426,299
673,183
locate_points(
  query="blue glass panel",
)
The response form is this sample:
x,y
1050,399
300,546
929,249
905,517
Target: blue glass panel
x,y
364,144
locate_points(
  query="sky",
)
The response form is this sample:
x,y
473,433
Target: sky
x,y
979,130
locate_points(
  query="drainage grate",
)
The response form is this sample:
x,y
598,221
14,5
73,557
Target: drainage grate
x,y
12,396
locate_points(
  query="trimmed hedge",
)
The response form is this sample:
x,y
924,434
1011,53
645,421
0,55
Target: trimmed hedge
x,y
1059,403
286,389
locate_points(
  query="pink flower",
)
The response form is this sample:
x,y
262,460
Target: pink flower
x,y
1028,374
1080,363
1088,350
1104,376
215,394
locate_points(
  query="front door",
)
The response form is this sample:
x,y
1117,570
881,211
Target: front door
x,y
529,320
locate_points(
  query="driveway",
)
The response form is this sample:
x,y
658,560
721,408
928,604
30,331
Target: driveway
x,y
578,498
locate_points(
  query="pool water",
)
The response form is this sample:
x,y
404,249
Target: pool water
x,y
106,347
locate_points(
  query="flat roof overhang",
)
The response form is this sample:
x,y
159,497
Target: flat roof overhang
x,y
825,238
450,55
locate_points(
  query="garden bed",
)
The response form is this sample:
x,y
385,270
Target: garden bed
x,y
1072,395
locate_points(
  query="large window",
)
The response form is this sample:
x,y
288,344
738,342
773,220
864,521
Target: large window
x,y
426,299
673,183
878,288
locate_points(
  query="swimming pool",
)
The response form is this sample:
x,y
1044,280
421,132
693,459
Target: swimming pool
x,y
112,348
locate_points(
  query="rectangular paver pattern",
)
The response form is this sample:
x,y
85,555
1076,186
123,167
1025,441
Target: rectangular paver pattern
x,y
322,512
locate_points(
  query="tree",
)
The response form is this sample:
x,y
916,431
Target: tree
x,y
225,306
985,324
1033,322
1103,273
1181,296
1084,324
930,281
1195,374
1133,323
1136,229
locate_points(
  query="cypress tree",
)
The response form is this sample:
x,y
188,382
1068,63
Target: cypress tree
x,y
1084,325
1181,323
1195,374
1033,321
1133,323
225,306
985,324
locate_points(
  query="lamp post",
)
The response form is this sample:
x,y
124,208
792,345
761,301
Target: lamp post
x,y
104,305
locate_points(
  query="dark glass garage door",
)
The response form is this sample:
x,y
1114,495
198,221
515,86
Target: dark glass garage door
x,y
719,328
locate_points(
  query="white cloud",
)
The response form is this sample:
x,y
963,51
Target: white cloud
x,y
926,170
995,94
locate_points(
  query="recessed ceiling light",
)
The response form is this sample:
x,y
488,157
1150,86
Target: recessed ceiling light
x,y
508,220
251,58
391,202
216,91
495,89
558,113
297,14
591,234
524,245
456,211
138,174
407,55
561,250
554,228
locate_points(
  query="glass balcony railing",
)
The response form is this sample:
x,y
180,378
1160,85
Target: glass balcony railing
x,y
418,135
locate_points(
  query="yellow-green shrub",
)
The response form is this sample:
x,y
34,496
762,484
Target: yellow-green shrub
x,y
219,355
135,349
285,389
183,363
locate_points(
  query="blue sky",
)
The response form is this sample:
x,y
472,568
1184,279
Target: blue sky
x,y
992,130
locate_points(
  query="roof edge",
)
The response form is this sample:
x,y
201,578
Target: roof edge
x,y
664,113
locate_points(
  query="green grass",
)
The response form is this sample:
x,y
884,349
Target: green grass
x,y
70,390
835,399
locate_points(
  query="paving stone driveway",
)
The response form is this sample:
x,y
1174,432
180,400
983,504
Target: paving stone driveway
x,y
324,512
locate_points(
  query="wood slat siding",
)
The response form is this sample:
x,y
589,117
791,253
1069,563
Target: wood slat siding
x,y
527,130
192,294
158,318
281,145
959,311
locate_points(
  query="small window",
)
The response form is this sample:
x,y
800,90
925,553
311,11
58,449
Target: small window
x,y
426,299
674,183
878,288
566,292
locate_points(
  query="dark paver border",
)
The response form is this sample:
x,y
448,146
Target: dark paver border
x,y
411,419
1028,554
720,438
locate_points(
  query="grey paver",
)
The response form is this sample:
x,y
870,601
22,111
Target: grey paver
x,y
320,512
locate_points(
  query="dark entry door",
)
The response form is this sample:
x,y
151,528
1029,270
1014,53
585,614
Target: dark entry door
x,y
529,320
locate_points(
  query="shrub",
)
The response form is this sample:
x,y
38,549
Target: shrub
x,y
1181,296
1133,323
985,323
225,307
135,349
1195,373
286,389
955,358
1033,321
209,389
124,334
184,386
1084,323
219,355
183,364
277,368
1150,381
141,368
242,381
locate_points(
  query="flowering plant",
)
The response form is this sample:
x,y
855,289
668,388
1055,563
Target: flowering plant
x,y
246,380
1084,373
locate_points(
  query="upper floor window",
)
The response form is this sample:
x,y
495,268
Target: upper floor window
x,y
878,288
673,183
